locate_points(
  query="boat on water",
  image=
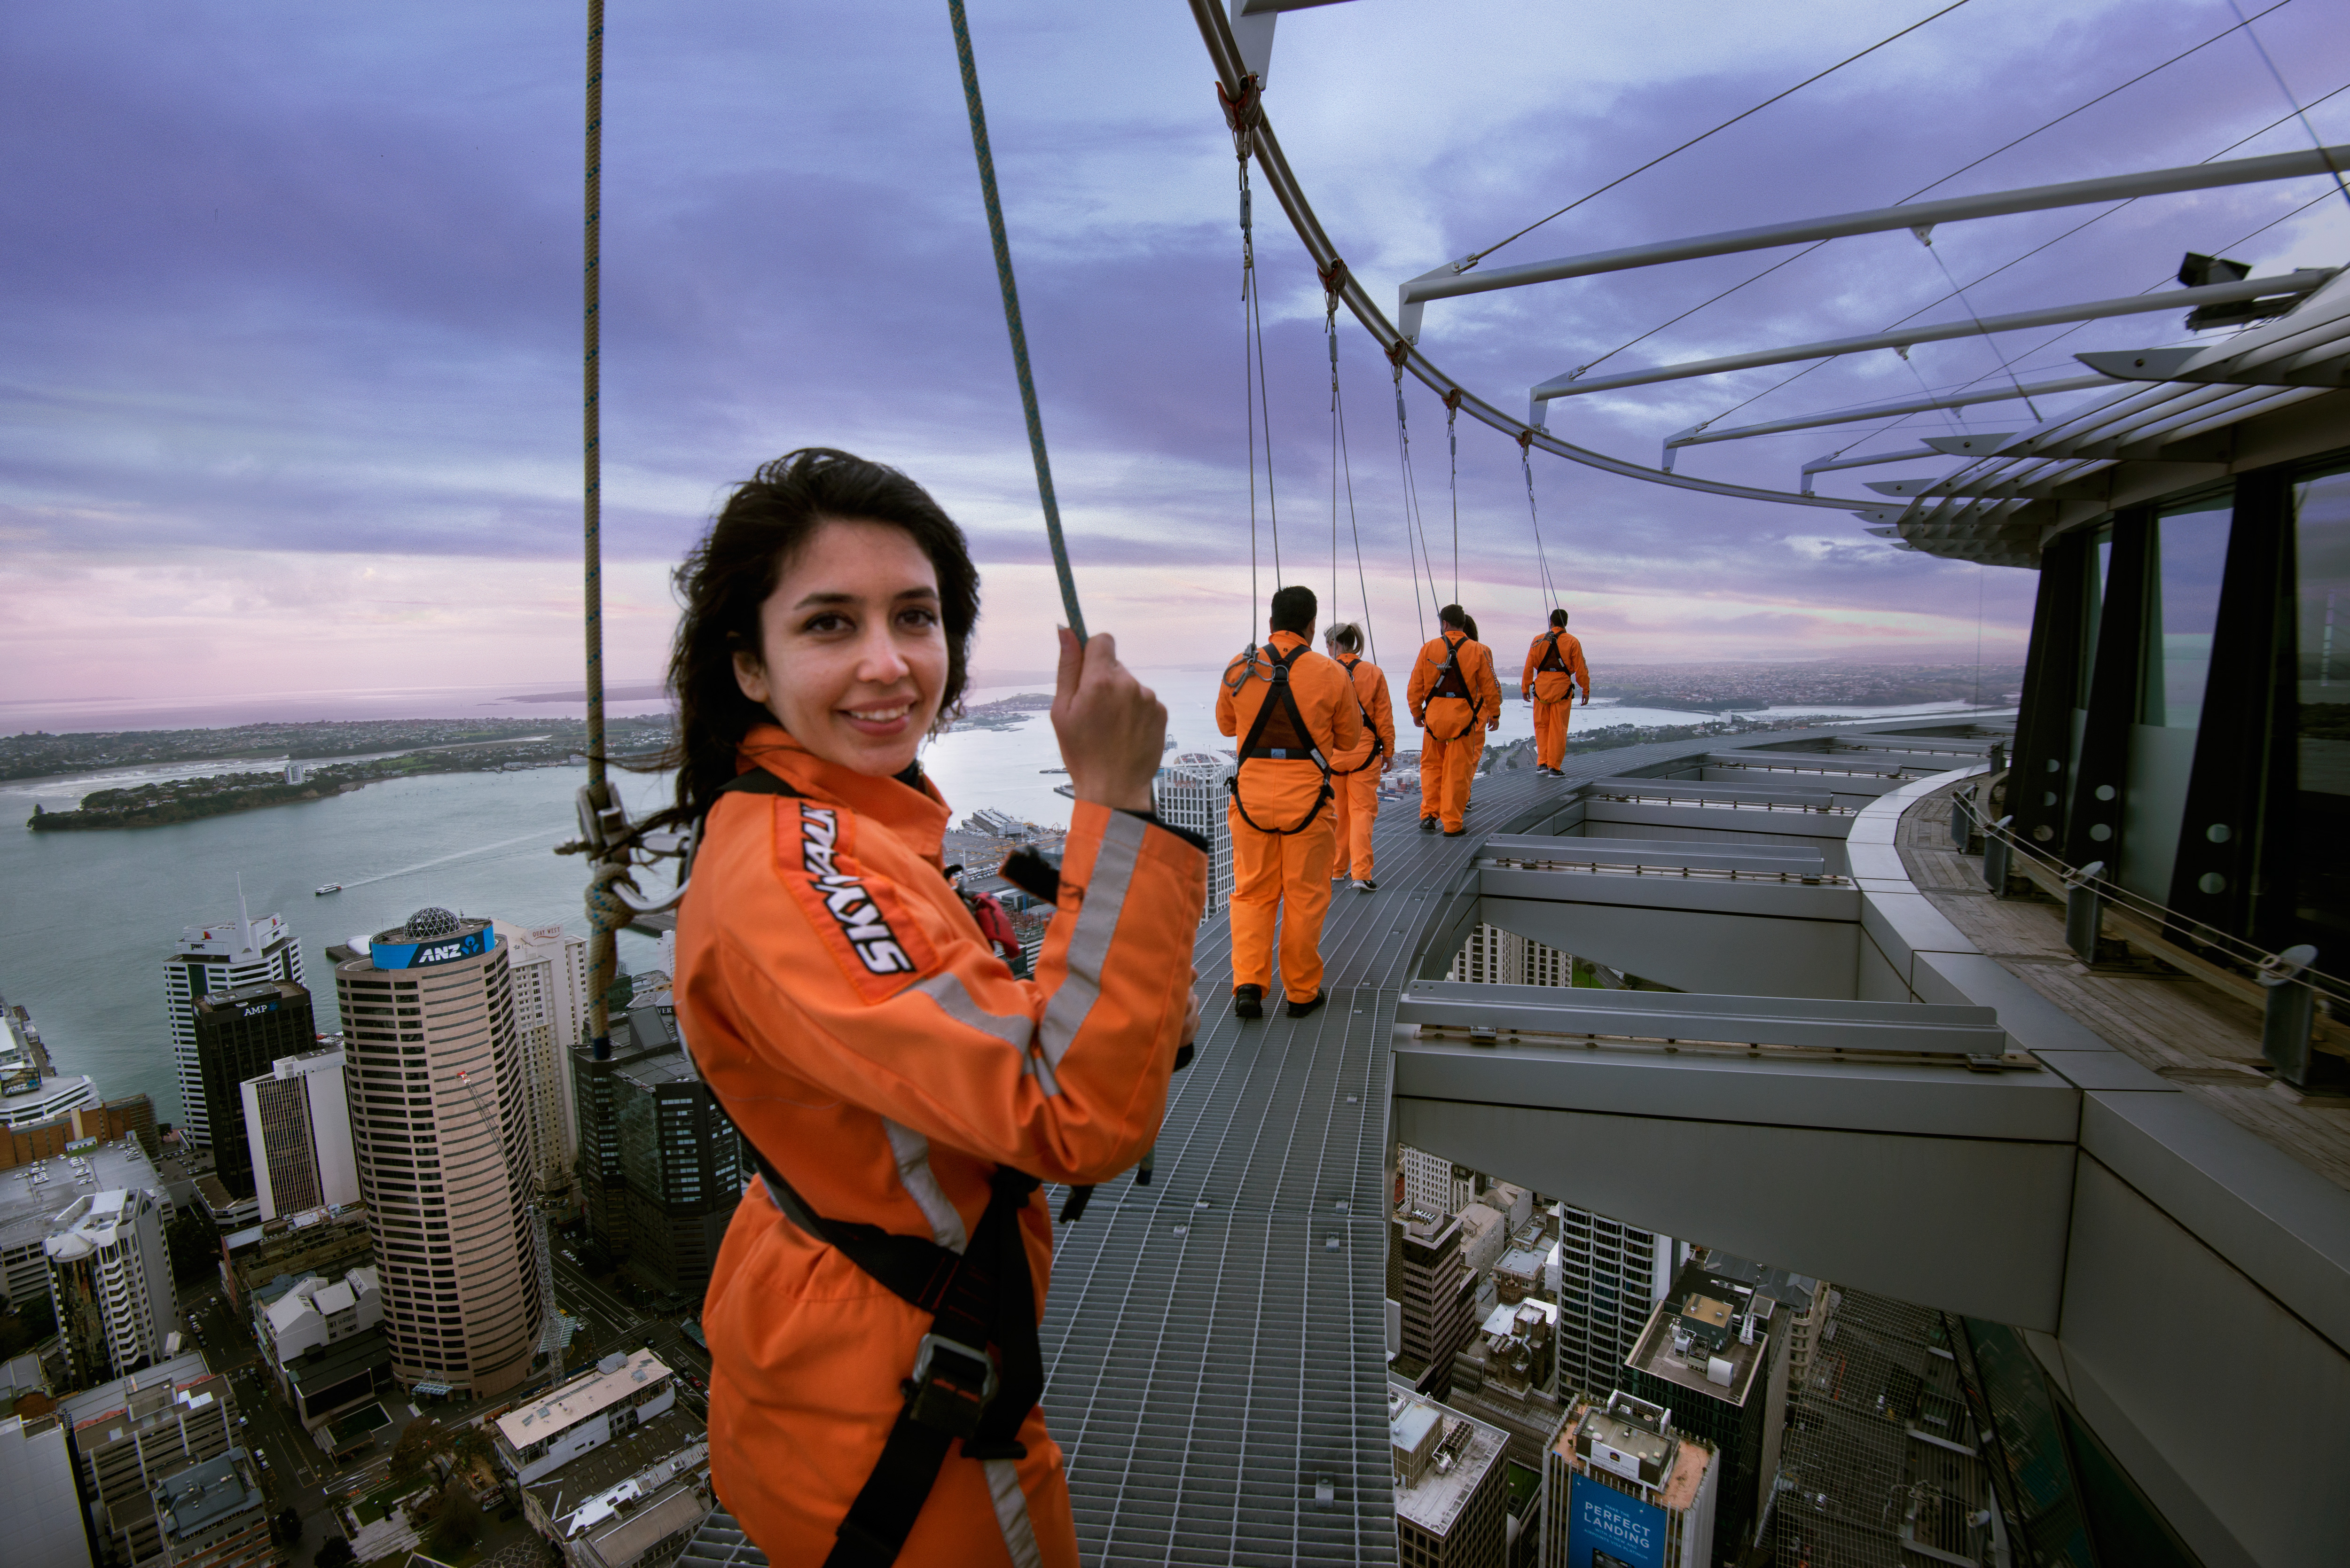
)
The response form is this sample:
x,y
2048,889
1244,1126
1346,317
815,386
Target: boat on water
x,y
328,888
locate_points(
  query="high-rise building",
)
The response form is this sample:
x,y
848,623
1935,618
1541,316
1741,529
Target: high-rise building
x,y
297,1131
110,1282
549,971
1610,1276
1433,1185
210,960
660,1166
1429,1280
215,1515
37,1477
1492,956
440,1132
1624,1487
1451,1485
1711,1355
239,1034
134,1433
1190,793
610,1464
36,1191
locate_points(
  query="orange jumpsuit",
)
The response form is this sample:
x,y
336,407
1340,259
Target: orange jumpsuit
x,y
1356,803
1455,726
862,1032
1552,690
1281,871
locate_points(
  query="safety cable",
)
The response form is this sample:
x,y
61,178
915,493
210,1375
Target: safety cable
x,y
2045,125
1542,560
2278,76
1410,497
1248,416
1453,440
1265,414
1010,293
1341,460
1473,258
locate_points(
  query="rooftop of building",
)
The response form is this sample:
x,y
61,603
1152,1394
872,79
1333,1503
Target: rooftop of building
x,y
34,1193
656,1068
91,1221
181,1381
1789,1289
1466,1451
1710,1317
1629,1435
205,1494
317,1293
581,1397
324,1366
271,994
276,1235
676,1434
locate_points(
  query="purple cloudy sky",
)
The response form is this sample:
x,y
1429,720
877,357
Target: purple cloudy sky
x,y
290,352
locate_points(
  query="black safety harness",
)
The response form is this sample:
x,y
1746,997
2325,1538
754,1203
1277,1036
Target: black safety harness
x,y
957,1389
1552,661
1295,741
1450,682
1379,745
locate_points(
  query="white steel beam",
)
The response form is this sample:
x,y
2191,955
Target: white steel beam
x,y
1902,337
1455,278
1698,435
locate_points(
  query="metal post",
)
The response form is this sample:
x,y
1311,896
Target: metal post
x,y
1962,821
2289,1015
1998,856
2085,911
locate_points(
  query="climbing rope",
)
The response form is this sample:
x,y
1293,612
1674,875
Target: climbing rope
x,y
1341,460
1011,291
1411,526
1541,560
1452,440
603,947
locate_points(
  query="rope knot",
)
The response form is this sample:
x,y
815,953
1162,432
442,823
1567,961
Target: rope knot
x,y
606,912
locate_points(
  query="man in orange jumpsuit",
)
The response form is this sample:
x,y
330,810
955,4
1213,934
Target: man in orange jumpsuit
x,y
1356,775
1454,699
1553,664
1293,710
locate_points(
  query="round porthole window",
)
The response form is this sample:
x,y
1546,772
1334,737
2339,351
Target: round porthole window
x,y
2218,833
2212,882
2100,831
2048,797
2052,764
2104,792
2044,834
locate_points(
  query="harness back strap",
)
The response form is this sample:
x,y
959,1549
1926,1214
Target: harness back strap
x,y
1281,700
1379,745
1552,661
1452,683
957,1389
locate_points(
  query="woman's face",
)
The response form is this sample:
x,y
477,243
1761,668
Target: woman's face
x,y
852,652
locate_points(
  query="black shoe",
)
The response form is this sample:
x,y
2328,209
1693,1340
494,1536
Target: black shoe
x,y
1455,832
1300,1008
1365,885
1248,1002
1428,825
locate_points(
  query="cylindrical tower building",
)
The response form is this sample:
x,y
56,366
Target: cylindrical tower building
x,y
441,1130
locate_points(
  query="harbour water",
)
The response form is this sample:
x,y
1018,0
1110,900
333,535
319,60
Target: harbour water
x,y
87,918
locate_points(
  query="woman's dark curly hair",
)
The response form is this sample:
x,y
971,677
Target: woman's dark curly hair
x,y
731,573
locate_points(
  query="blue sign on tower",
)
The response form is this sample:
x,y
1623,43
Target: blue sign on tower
x,y
1606,1528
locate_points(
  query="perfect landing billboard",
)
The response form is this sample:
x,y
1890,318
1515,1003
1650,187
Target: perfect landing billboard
x,y
1606,1528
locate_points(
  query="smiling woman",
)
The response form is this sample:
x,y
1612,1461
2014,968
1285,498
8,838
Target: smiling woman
x,y
903,1092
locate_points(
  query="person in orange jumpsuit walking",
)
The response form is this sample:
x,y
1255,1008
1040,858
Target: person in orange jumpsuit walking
x,y
1454,699
1293,710
1356,775
1553,664
872,1315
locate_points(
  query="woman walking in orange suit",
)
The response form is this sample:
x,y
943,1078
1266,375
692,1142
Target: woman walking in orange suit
x,y
1553,664
1454,697
872,1317
1356,774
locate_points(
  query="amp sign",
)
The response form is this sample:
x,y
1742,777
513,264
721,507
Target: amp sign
x,y
1606,1529
447,949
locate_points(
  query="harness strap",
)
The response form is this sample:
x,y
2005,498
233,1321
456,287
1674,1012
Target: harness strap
x,y
1553,662
1250,750
1452,683
957,1388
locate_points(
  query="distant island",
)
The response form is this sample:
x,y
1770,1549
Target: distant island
x,y
1003,714
512,745
1725,687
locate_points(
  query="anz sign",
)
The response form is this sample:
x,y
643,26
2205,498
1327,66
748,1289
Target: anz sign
x,y
448,949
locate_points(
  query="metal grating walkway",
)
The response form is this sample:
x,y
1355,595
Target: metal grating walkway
x,y
1215,1343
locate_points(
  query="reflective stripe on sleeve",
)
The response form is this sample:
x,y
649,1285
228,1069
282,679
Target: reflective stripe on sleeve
x,y
912,1151
1096,925
1012,1513
1017,1029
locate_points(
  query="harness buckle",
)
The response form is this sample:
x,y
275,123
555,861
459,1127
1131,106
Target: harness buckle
x,y
951,1386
